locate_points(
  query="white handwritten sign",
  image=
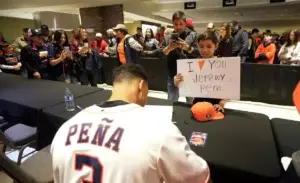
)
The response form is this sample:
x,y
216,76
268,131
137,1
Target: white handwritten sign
x,y
210,78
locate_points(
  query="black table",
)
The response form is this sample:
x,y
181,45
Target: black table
x,y
290,175
287,136
53,117
25,98
239,148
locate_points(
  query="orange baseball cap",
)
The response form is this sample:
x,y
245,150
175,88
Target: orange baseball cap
x,y
296,96
205,111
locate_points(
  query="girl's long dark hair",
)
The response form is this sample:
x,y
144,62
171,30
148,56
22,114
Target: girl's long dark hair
x,y
289,42
152,35
57,38
227,27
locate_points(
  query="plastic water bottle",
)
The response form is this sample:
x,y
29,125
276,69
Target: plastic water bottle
x,y
69,100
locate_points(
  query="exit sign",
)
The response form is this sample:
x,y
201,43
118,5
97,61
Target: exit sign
x,y
277,1
189,5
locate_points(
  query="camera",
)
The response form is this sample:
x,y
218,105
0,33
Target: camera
x,y
175,36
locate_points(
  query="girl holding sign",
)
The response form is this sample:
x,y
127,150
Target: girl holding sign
x,y
207,44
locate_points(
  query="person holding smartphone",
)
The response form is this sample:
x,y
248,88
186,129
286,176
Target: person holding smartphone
x,y
61,66
36,56
208,43
87,61
182,44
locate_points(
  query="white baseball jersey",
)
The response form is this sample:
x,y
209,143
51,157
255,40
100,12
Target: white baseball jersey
x,y
123,143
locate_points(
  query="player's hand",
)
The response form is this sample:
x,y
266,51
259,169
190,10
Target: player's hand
x,y
178,79
183,45
218,108
37,75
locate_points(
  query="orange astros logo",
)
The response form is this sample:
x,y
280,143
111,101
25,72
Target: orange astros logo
x,y
201,64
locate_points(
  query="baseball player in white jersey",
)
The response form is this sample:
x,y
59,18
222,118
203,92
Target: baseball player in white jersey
x,y
118,141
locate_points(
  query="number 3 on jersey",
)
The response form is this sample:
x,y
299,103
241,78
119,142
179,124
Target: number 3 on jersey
x,y
82,160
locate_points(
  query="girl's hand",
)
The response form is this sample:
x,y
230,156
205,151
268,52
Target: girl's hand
x,y
218,108
63,55
178,79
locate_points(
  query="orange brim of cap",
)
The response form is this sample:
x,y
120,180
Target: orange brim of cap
x,y
296,96
217,116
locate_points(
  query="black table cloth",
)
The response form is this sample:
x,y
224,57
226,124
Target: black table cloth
x,y
53,117
287,136
239,148
24,98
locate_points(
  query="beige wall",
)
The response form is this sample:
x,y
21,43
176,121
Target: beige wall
x,y
278,26
63,20
12,27
132,27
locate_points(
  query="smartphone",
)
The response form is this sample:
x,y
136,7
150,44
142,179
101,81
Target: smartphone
x,y
175,36
67,48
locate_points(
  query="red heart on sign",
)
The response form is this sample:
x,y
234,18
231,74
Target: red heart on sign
x,y
296,96
201,64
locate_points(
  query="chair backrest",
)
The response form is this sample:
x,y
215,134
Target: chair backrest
x,y
13,170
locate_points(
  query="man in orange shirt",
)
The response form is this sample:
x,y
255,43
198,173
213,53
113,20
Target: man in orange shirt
x,y
127,47
266,51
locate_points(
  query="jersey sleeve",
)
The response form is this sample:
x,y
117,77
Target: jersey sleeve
x,y
177,163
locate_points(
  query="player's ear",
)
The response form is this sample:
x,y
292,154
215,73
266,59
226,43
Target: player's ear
x,y
142,85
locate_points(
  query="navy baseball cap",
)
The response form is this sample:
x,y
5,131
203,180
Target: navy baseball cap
x,y
44,27
33,32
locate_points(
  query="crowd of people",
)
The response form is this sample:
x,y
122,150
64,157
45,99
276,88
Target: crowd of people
x,y
165,155
45,55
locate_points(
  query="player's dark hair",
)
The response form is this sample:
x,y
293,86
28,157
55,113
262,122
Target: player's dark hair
x,y
129,72
178,15
208,35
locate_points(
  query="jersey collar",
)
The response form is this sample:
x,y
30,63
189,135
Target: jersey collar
x,y
114,103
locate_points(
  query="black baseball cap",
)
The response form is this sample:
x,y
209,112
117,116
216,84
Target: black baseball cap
x,y
33,32
44,27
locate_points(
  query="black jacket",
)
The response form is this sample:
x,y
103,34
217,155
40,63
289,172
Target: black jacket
x,y
190,38
225,48
31,60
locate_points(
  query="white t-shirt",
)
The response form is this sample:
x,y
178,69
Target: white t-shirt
x,y
123,144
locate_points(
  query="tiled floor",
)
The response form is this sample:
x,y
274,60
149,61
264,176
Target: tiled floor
x,y
273,111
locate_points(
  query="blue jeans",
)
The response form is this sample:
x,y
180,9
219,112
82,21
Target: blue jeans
x,y
173,92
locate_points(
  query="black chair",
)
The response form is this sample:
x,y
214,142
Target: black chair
x,y
19,137
36,169
4,124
